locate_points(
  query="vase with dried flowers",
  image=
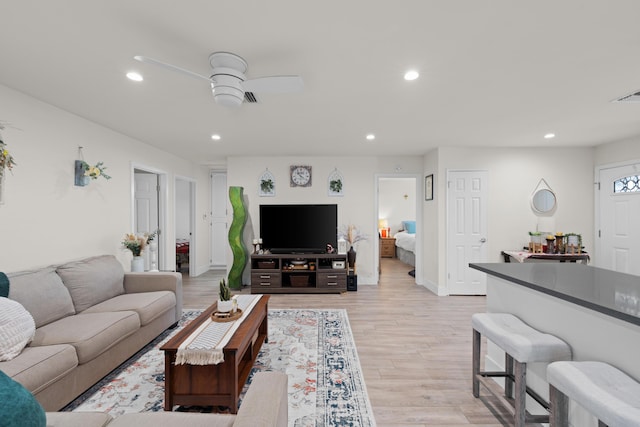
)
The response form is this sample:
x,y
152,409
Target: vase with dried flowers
x,y
351,235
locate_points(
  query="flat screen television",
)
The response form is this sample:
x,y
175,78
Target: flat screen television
x,y
298,228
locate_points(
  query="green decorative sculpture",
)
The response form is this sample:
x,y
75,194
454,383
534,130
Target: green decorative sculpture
x,y
236,230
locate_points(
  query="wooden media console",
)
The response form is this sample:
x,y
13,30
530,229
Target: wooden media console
x,y
298,273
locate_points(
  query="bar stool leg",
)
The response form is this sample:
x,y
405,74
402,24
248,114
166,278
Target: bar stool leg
x,y
558,408
520,398
508,382
476,363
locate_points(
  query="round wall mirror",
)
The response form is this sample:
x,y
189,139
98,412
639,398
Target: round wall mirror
x,y
543,201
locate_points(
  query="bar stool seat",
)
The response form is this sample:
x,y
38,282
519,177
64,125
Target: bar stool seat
x,y
522,344
603,390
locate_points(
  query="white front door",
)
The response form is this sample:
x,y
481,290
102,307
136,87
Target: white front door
x,y
619,197
219,238
146,208
467,193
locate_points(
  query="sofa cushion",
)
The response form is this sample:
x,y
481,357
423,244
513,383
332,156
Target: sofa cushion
x,y
91,334
78,419
148,305
16,328
38,367
92,280
19,408
155,419
42,293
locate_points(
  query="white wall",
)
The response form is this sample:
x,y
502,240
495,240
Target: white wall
x,y
46,219
616,152
357,206
513,175
396,201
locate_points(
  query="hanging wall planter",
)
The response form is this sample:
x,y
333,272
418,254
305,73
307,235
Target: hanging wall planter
x,y
84,172
6,164
236,231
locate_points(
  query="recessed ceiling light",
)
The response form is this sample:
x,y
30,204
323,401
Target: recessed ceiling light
x,y
411,75
215,137
550,135
136,77
371,137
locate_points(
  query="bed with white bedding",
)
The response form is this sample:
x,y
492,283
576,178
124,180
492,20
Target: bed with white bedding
x,y
406,247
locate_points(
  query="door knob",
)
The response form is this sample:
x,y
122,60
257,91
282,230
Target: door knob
x,y
483,240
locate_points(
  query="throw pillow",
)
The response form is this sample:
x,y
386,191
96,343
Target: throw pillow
x,y
17,328
4,285
19,408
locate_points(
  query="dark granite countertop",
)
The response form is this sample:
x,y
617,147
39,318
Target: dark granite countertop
x,y
606,291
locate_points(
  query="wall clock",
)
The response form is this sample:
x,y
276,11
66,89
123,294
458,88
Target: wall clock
x,y
300,176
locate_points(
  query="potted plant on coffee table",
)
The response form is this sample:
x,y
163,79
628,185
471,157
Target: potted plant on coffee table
x,y
224,298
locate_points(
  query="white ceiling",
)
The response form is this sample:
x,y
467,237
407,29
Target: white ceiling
x,y
496,73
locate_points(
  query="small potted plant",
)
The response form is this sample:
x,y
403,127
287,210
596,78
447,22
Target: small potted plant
x,y
335,185
224,298
266,185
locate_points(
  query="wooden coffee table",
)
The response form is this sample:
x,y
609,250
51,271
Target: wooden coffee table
x,y
221,384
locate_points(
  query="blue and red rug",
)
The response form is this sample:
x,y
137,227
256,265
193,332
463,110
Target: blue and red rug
x,y
315,348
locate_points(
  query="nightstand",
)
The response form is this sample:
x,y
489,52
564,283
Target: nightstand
x,y
387,247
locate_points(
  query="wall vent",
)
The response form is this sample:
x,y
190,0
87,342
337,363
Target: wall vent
x,y
634,97
250,97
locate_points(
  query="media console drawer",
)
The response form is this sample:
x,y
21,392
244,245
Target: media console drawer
x,y
267,280
331,280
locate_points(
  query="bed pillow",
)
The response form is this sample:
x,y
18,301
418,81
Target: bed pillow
x,y
19,408
16,329
409,226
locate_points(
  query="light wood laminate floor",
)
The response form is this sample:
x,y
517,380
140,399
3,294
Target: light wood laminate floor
x,y
414,347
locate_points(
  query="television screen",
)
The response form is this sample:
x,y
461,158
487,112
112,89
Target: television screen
x,y
298,228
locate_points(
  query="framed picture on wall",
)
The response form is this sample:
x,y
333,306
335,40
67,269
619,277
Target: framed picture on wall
x,y
428,187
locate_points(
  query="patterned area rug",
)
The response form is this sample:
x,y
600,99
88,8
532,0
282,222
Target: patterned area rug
x,y
314,347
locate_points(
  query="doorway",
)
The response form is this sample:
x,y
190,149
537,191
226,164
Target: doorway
x,y
467,195
149,202
617,211
185,196
397,206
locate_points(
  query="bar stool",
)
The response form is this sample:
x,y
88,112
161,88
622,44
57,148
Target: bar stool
x,y
522,344
601,389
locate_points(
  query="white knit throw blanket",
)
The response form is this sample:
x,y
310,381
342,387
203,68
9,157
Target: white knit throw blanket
x,y
204,346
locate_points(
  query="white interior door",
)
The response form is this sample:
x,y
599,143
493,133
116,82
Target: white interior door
x,y
619,199
219,239
146,206
467,193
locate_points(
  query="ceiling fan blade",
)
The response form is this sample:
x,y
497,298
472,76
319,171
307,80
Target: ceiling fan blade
x,y
274,84
170,67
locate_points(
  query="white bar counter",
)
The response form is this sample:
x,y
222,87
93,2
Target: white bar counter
x,y
596,311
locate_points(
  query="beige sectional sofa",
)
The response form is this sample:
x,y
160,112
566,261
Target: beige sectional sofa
x,y
90,316
264,405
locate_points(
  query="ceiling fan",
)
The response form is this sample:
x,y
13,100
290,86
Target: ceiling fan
x,y
229,84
